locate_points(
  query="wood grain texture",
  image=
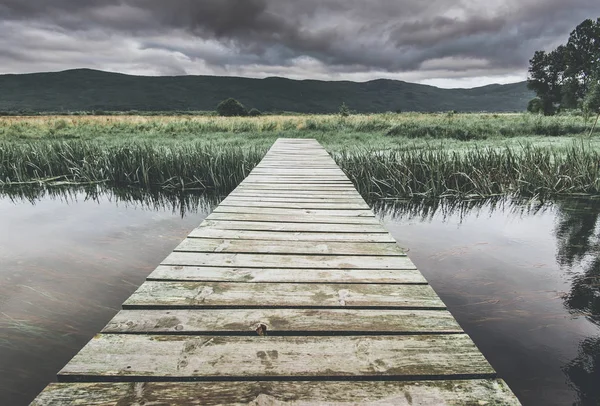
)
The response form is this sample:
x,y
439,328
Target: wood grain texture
x,y
283,275
221,222
282,295
424,393
294,212
295,205
288,261
287,247
283,321
297,194
233,234
287,199
290,218
129,356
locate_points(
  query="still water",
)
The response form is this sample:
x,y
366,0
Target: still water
x,y
522,278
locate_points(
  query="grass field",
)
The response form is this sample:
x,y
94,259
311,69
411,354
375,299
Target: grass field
x,y
386,155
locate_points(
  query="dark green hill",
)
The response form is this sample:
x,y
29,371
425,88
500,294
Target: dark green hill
x,y
86,90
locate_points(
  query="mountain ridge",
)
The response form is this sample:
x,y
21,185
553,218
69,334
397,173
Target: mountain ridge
x,y
90,90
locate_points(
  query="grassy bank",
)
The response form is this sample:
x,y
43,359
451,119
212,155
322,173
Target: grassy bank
x,y
526,170
386,127
180,166
386,155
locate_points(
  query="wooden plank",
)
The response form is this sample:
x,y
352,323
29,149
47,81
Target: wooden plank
x,y
283,322
286,247
294,205
303,188
302,185
297,227
288,261
152,294
307,182
131,356
278,218
308,171
285,275
294,212
292,199
232,234
423,393
296,194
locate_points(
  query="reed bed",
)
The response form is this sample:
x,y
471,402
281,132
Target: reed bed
x,y
177,166
527,170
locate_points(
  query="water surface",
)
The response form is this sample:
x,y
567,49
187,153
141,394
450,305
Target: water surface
x,y
521,278
67,263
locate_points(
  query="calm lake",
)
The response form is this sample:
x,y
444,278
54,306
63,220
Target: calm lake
x,y
523,279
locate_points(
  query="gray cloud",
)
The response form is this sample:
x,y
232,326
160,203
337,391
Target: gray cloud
x,y
311,38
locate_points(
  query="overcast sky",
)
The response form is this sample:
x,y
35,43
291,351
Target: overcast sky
x,y
447,43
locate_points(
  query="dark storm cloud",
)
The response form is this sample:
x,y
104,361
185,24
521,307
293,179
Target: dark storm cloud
x,y
342,35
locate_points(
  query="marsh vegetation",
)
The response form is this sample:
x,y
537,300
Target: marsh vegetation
x,y
386,155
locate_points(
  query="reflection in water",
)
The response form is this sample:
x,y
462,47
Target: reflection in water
x,y
70,257
577,239
426,210
584,372
181,202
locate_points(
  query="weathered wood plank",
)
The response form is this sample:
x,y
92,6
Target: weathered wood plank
x,y
282,295
307,182
295,199
295,212
290,218
232,234
283,321
286,247
288,261
295,205
282,226
297,194
129,356
285,275
307,189
423,393
306,171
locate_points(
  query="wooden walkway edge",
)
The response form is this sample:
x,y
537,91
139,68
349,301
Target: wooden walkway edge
x,y
289,293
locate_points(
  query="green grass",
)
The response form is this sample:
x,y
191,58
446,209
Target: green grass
x,y
526,170
386,155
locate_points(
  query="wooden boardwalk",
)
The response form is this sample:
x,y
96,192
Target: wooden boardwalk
x,y
290,292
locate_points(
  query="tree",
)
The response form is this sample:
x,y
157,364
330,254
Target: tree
x,y
583,49
254,112
544,78
591,103
535,106
561,78
230,108
344,110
